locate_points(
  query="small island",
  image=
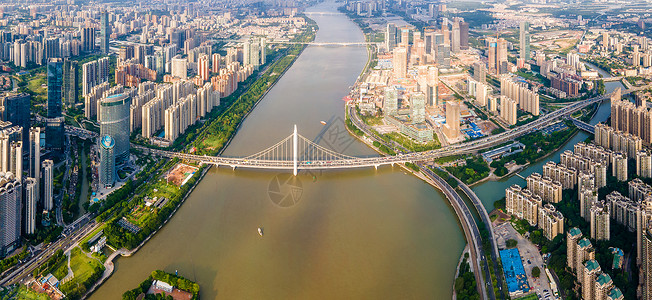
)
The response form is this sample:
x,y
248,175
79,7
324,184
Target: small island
x,y
162,285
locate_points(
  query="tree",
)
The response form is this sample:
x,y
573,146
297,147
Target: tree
x,y
536,272
511,243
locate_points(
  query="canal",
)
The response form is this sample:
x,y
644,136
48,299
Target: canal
x,y
362,234
491,191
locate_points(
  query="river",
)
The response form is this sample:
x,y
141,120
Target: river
x,y
363,234
491,191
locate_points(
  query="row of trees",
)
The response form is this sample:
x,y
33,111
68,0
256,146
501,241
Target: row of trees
x,y
465,285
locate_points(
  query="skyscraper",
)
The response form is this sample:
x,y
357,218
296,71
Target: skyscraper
x,y
55,82
455,37
390,106
501,56
491,56
48,184
418,108
105,32
524,39
390,37
216,63
11,192
203,69
70,82
464,35
17,111
253,51
452,126
114,122
479,72
31,197
34,166
400,61
107,161
88,39
16,156
179,67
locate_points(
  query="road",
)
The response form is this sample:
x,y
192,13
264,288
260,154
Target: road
x,y
470,229
482,211
23,272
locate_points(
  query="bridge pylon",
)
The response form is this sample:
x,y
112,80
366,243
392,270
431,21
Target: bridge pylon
x,y
295,143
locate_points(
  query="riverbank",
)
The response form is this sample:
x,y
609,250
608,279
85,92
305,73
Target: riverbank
x,y
109,265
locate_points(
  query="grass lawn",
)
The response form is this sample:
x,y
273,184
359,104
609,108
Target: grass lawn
x,y
81,265
163,189
529,297
35,84
25,293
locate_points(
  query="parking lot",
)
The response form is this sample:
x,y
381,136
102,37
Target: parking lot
x,y
530,257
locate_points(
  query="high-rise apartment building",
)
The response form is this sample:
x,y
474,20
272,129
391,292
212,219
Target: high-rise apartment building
x,y
619,166
11,191
591,271
572,237
544,187
644,163
600,226
528,100
551,221
88,39
216,62
508,110
203,69
94,73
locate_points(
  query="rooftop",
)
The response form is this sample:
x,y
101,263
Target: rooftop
x,y
574,232
604,279
615,293
592,265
